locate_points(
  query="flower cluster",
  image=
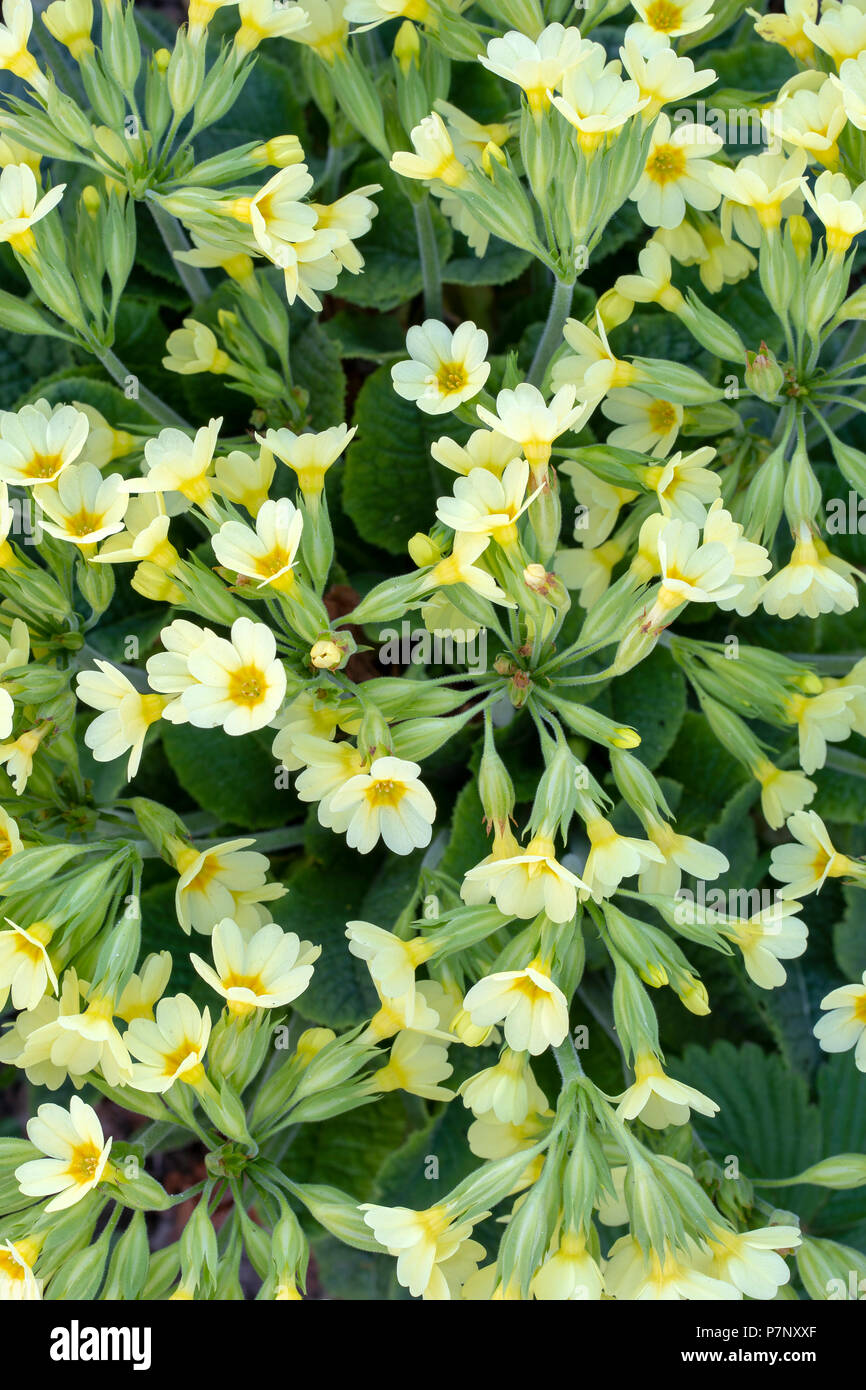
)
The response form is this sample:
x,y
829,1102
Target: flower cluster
x,y
467,884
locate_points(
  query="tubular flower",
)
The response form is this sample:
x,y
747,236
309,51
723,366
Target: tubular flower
x,y
77,1155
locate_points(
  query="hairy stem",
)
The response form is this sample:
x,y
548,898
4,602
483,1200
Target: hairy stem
x,y
194,281
429,252
560,305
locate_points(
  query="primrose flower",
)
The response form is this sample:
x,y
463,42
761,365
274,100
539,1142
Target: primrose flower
x,y
262,19
238,683
691,572
765,939
226,880
416,1064
684,486
645,423
17,755
569,1273
661,75
17,1280
84,506
844,1026
681,854
675,176
351,217
672,19
840,32
527,882
392,962
852,85
532,1009
169,1047
26,971
787,29
523,416
483,449
536,65
264,970
423,1242
308,455
325,30
508,1090
596,101
10,838
841,210
38,441
77,1155
808,585
434,159
70,23
176,463
15,56
810,117
245,480
613,857
126,714
821,719
760,190
749,1259
390,802
460,568
666,1276
804,866
591,369
782,792
444,368
144,987
266,554
193,349
657,1099
326,767
483,504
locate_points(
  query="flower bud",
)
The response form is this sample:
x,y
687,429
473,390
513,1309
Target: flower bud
x,y
763,374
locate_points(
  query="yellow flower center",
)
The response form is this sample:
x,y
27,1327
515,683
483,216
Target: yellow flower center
x,y
661,416
248,686
84,523
173,1061
451,376
860,1009
667,164
84,1162
385,792
663,16
43,466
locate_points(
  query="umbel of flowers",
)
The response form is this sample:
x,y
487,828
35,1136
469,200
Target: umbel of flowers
x,y
691,499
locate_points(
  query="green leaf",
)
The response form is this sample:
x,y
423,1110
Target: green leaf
x,y
652,699
841,795
392,269
469,842
24,360
706,770
734,834
366,335
315,360
350,1150
849,935
843,1116
390,482
123,412
327,889
501,264
765,1118
233,778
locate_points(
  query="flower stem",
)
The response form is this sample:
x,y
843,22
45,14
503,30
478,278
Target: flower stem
x,y
560,305
194,280
151,402
429,253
